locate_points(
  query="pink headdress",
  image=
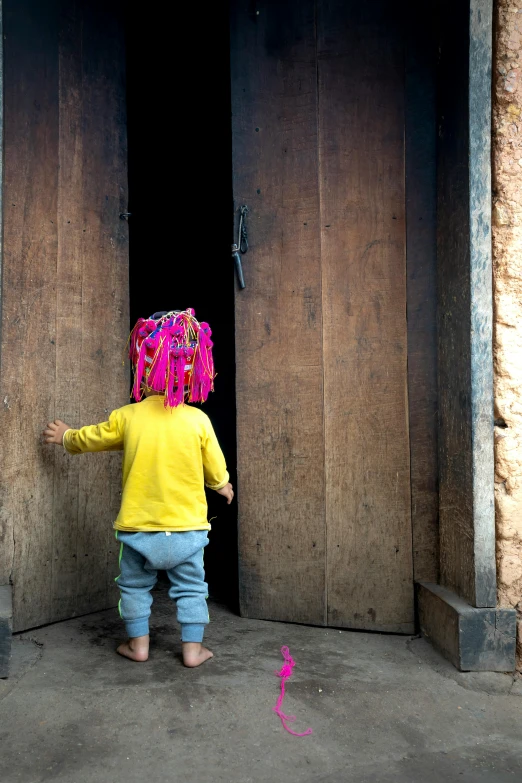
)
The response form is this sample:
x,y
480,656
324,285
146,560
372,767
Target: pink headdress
x,y
172,353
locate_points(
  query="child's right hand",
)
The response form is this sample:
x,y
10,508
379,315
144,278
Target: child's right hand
x,y
227,492
55,431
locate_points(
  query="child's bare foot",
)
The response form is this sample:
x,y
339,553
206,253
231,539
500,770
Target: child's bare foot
x,y
137,648
194,654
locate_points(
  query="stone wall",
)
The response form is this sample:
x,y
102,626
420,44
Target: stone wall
x,y
507,265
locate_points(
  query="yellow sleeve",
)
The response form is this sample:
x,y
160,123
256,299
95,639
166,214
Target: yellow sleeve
x,y
214,465
107,436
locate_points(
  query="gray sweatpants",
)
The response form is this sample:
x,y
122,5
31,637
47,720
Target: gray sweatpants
x,y
181,556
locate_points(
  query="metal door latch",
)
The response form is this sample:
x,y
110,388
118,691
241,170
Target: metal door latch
x,y
239,266
241,247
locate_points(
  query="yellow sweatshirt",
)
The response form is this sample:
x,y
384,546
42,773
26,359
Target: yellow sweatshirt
x,y
169,455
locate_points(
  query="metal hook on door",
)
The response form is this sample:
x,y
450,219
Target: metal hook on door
x,y
242,233
240,247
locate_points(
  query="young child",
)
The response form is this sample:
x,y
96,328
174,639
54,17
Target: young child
x,y
170,453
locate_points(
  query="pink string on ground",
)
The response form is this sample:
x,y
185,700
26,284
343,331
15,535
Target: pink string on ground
x,y
285,674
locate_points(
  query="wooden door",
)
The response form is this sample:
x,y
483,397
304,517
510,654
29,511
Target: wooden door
x,y
65,299
321,332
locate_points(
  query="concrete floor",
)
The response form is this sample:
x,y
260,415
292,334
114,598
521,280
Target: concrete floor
x,y
383,708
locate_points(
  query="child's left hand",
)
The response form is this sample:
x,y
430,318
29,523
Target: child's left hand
x,y
55,431
227,492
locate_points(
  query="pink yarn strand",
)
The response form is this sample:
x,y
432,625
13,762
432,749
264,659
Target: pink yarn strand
x,y
285,673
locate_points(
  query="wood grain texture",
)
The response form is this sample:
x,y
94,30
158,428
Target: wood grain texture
x,y
28,370
278,316
467,525
324,468
421,243
65,306
68,329
455,444
361,121
105,290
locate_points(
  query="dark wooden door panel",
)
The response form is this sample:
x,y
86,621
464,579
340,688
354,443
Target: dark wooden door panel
x,y
65,299
318,95
361,127
278,316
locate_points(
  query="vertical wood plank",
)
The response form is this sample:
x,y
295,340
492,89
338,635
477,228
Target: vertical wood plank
x,y
455,435
421,223
68,335
65,302
278,315
28,366
466,459
105,304
361,98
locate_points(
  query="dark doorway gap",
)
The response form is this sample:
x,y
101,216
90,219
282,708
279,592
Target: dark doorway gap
x,y
180,186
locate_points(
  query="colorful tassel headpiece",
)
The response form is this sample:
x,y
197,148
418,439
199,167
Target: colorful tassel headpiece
x,y
172,353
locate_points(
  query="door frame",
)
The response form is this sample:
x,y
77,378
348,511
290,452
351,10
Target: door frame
x,y
455,613
459,614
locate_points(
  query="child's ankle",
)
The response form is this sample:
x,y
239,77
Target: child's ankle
x,y
194,654
136,648
192,632
138,642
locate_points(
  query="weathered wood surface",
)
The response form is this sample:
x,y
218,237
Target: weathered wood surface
x,y
421,255
324,473
28,369
466,461
105,288
361,127
65,299
282,531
